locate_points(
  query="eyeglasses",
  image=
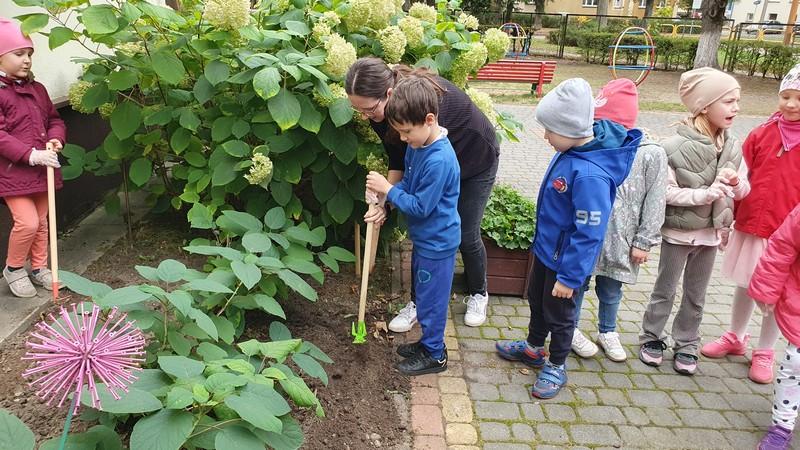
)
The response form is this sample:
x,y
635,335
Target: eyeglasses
x,y
371,111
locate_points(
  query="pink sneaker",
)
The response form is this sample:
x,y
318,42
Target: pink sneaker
x,y
727,344
761,366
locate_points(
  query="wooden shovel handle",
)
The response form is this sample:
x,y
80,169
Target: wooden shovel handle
x,y
362,304
53,230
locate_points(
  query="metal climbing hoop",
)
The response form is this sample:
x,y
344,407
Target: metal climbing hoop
x,y
648,47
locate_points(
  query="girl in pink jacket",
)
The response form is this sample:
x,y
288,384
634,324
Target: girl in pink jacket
x,y
30,134
776,283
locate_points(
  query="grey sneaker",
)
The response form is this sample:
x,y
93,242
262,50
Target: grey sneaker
x,y
685,364
19,283
44,278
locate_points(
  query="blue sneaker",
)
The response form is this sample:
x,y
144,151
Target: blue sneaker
x,y
549,382
519,351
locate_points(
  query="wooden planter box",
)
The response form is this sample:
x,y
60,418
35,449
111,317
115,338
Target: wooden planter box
x,y
507,270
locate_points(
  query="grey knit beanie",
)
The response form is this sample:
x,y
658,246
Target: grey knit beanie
x,y
568,110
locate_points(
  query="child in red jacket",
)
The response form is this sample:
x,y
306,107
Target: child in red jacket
x,y
772,155
30,134
776,284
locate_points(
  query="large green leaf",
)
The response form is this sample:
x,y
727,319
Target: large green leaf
x,y
135,401
304,235
285,109
341,112
96,96
310,366
216,72
140,171
122,80
100,19
99,437
15,435
168,66
341,254
200,216
324,185
297,284
267,82
256,242
248,273
127,295
340,206
252,409
296,28
279,350
291,438
224,172
237,438
299,391
210,352
59,36
181,300
205,323
240,222
171,271
83,286
214,250
310,118
189,120
224,382
125,119
168,429
180,140
181,366
269,305
275,218
179,398
33,23
341,141
208,286
237,148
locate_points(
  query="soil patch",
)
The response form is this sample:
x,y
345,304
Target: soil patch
x,y
359,398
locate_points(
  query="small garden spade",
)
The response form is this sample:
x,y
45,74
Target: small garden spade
x,y
359,329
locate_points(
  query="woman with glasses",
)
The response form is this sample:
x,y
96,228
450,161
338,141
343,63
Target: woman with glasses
x,y
369,83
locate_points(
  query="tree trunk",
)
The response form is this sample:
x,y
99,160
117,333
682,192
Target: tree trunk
x,y
602,11
649,5
509,10
713,12
537,19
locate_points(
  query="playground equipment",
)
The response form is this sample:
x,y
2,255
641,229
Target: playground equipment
x,y
647,47
519,40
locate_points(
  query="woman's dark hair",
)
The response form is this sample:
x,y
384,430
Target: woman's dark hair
x,y
371,77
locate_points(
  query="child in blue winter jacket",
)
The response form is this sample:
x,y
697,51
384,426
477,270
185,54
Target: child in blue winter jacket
x,y
575,202
428,196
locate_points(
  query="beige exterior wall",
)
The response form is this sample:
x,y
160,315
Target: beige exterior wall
x,y
615,7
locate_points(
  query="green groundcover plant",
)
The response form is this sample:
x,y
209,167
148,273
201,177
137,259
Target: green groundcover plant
x,y
509,219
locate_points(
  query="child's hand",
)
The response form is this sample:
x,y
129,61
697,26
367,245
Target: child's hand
x,y
728,176
376,214
54,145
638,256
378,183
561,291
44,158
724,234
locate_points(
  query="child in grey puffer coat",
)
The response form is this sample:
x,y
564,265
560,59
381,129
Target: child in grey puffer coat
x,y
634,227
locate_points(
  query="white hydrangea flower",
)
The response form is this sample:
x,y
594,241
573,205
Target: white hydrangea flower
x,y
130,48
469,21
423,12
260,171
359,14
374,14
341,55
280,6
330,18
468,62
375,163
106,109
484,102
227,14
75,95
413,30
497,43
337,92
393,42
365,131
320,31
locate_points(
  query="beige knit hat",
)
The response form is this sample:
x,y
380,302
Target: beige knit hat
x,y
701,87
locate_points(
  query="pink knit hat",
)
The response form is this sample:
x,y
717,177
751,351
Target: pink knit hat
x,y
701,87
11,37
618,101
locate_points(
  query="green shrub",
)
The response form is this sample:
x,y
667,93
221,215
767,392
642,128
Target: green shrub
x,y
509,218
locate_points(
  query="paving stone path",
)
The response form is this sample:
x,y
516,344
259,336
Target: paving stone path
x,y
483,401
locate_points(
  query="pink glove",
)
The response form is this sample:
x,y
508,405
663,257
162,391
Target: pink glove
x,y
44,158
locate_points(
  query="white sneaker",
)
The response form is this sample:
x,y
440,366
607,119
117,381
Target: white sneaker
x,y
405,319
611,345
19,283
476,309
581,346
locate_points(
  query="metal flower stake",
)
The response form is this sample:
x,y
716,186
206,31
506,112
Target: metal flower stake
x,y
80,348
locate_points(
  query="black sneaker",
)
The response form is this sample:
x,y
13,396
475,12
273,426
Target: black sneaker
x,y
409,350
422,363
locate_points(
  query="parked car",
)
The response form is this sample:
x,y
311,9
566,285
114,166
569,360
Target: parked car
x,y
770,27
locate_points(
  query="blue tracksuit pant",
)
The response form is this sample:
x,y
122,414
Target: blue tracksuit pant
x,y
433,281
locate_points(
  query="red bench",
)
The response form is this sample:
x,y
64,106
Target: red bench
x,y
538,73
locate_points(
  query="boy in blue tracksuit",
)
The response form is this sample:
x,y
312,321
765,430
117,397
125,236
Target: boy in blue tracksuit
x,y
575,203
428,196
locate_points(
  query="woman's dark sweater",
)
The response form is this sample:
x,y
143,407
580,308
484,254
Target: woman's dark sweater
x,y
472,135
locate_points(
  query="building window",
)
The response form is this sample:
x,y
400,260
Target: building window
x,y
749,17
662,4
589,3
617,3
773,17
642,4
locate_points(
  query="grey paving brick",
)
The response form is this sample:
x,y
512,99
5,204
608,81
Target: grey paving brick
x,y
475,345
523,432
672,383
519,322
497,410
714,385
532,412
683,399
748,402
650,398
698,438
585,396
711,369
613,397
738,385
761,419
585,379
614,367
617,380
641,381
591,365
702,418
503,310
594,435
515,393
737,420
635,416
742,439
486,375
552,433
601,414
490,333
658,437
499,321
506,446
736,370
513,333
483,391
632,437
494,431
559,413
469,332
663,417
483,359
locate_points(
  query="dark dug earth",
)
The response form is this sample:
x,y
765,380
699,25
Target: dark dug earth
x,y
359,400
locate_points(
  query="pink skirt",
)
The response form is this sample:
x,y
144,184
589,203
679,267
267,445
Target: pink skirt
x,y
743,252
